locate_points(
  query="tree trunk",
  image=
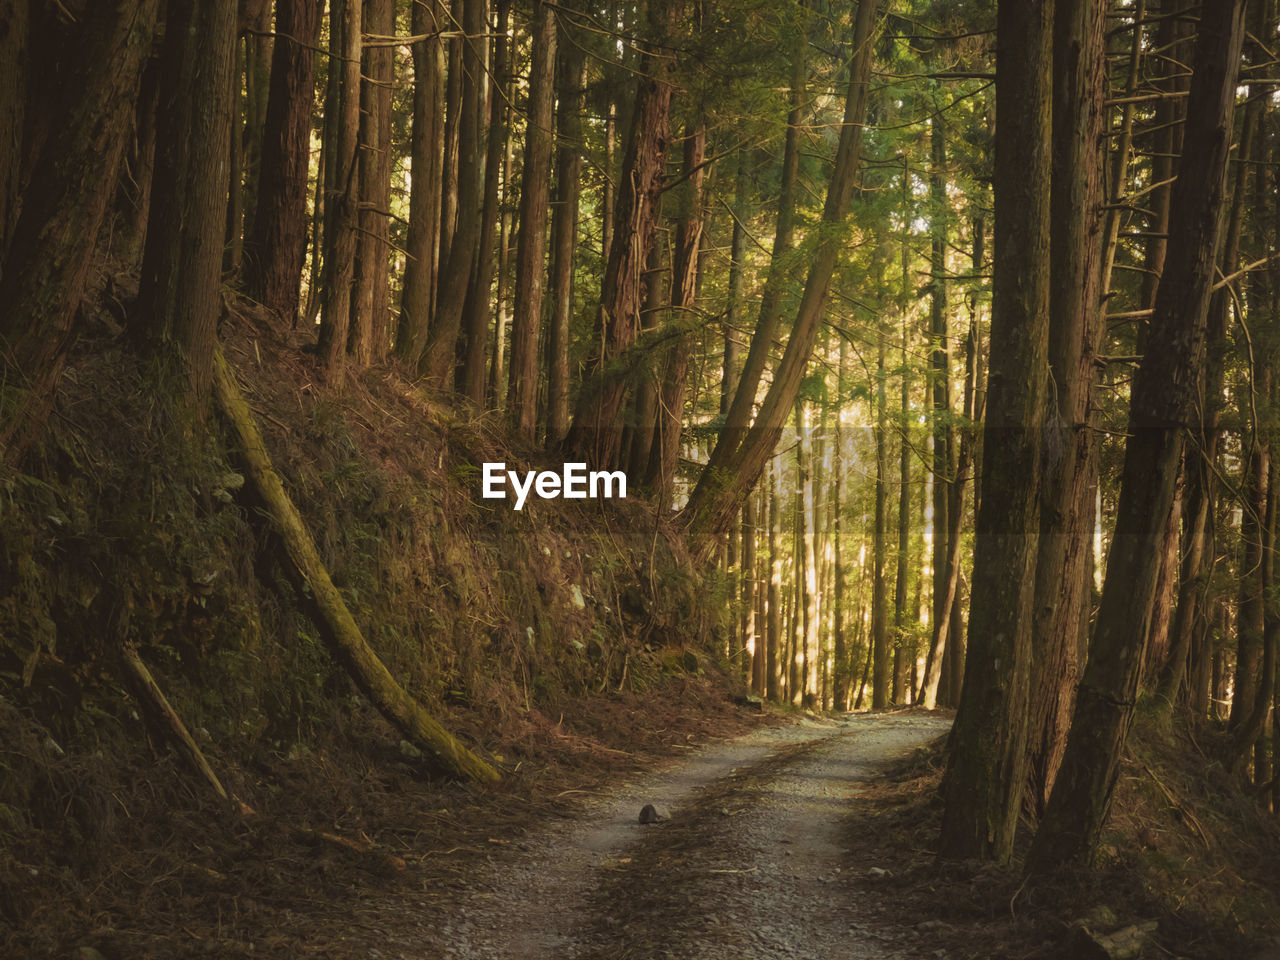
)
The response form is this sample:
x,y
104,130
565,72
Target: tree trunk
x,y
526,323
441,355
571,73
1200,491
774,623
277,247
424,191
342,216
1075,324
178,291
370,331
902,658
1162,399
684,277
720,492
52,240
984,778
478,308
595,433
880,679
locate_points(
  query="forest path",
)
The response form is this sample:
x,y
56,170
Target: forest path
x,y
751,864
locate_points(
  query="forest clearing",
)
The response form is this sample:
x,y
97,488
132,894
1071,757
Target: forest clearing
x,y
639,478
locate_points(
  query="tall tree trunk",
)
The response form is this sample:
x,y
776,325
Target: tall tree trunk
x,y
840,680
684,282
984,779
1200,492
369,337
178,291
737,290
476,317
747,599
342,215
1162,397
53,238
595,434
880,679
15,25
424,190
720,492
277,247
571,74
526,323
902,657
1066,506
441,355
774,623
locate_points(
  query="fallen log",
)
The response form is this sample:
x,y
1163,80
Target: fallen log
x,y
345,640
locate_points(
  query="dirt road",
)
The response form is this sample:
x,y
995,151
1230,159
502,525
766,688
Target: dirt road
x,y
750,864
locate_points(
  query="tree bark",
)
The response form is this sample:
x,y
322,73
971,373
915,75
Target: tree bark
x,y
1075,324
571,74
178,291
880,679
1162,398
983,783
369,338
595,433
342,217
424,190
478,308
277,247
53,238
526,322
441,356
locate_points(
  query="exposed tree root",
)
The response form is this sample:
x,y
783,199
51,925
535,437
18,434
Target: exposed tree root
x,y
346,641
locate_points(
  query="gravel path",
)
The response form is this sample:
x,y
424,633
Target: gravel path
x,y
749,865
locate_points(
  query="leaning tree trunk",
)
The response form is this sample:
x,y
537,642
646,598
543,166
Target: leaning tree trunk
x,y
738,412
343,634
718,497
1160,407
277,246
983,783
53,239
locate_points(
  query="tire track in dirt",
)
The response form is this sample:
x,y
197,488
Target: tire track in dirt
x,y
751,864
